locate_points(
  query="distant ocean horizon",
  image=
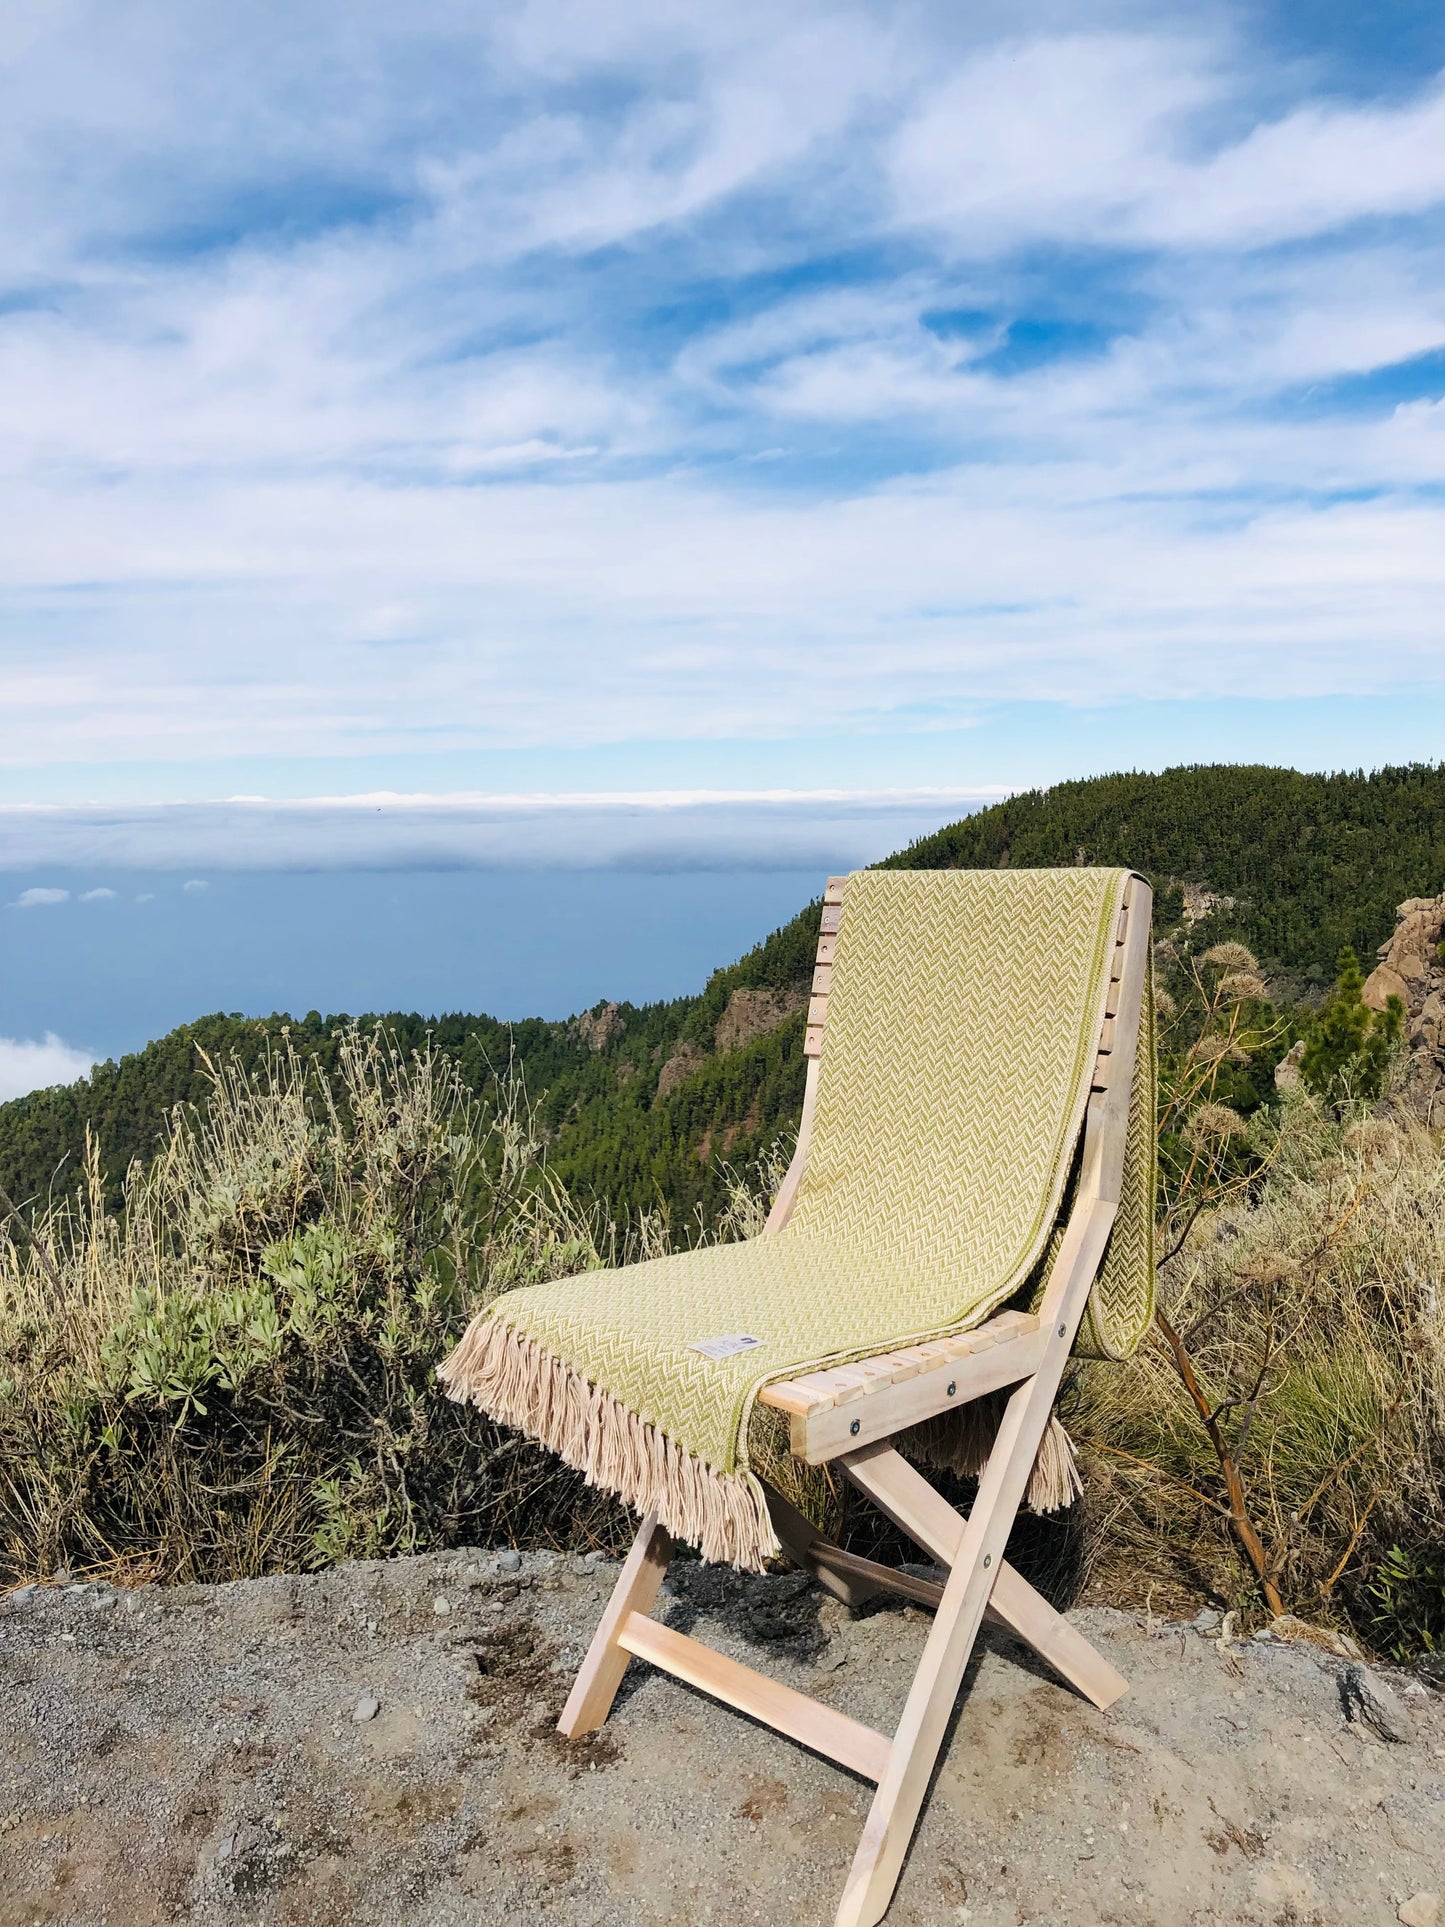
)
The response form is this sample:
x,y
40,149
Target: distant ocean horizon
x,y
102,963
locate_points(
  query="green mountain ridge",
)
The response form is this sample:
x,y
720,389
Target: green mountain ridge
x,y
639,1103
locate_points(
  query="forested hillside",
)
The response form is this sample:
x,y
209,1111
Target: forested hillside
x,y
1314,862
639,1103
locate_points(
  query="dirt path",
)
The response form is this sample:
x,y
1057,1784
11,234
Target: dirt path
x,y
193,1755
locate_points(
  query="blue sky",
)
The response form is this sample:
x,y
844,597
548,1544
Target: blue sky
x,y
559,398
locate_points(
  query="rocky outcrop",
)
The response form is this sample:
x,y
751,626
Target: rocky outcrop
x,y
1412,969
598,1027
679,1067
1199,901
753,1013
749,1014
1287,1071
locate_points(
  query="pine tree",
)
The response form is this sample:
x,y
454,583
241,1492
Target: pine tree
x,y
1350,1045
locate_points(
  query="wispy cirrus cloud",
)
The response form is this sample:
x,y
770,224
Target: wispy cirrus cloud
x,y
566,375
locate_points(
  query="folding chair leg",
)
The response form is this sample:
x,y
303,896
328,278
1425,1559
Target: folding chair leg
x,y
595,1686
801,1541
1025,1612
902,1493
896,1805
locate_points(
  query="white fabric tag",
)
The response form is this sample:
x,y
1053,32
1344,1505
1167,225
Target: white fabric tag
x,y
727,1346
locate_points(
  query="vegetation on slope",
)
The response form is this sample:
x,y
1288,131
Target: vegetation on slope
x,y
1314,863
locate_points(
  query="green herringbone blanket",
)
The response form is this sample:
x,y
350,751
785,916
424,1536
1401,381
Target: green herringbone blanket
x,y
955,1074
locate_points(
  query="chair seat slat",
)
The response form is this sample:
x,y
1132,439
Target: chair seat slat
x,y
816,1392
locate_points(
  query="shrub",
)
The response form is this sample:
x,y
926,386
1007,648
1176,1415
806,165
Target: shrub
x,y
235,1372
1310,1308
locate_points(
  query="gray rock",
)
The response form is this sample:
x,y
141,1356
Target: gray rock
x,y
22,1595
441,1605
509,1561
367,1708
1420,1910
1206,1621
1367,1699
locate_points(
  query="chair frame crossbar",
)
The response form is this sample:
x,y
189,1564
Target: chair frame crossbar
x,y
848,1415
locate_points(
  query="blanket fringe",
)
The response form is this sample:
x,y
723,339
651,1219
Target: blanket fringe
x,y
513,1379
961,1442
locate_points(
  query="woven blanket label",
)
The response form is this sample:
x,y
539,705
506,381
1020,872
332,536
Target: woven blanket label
x,y
726,1347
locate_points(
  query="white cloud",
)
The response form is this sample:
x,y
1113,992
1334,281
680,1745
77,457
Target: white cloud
x,y
657,829
1050,137
403,388
1088,136
194,884
29,1066
101,895
39,897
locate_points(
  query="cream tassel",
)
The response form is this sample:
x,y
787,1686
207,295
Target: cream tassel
x,y
1054,1482
725,1514
961,1442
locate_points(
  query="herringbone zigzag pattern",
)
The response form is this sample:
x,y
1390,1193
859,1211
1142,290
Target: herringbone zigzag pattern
x,y
959,1053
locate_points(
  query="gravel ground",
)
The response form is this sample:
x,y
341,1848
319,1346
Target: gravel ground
x,y
375,1745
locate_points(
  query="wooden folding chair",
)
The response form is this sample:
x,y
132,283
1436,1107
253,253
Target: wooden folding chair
x,y
848,1416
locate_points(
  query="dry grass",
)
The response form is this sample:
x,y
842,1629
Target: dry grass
x,y
1311,1309
235,1373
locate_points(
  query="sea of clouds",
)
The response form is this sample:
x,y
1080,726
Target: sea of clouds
x,y
646,830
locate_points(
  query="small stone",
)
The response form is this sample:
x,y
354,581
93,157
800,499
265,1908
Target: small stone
x,y
227,1847
1367,1699
22,1595
509,1561
1420,1910
441,1605
367,1708
1206,1621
